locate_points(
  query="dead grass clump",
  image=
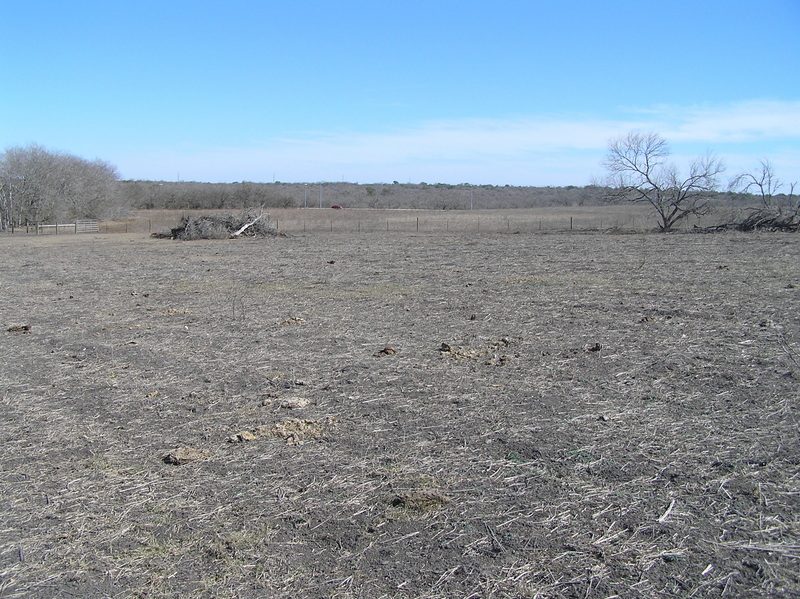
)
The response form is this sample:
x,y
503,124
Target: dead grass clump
x,y
296,431
292,321
492,353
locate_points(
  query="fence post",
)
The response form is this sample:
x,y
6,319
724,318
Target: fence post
x,y
570,223
417,224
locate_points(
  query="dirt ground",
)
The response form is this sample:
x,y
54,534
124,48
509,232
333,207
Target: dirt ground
x,y
400,415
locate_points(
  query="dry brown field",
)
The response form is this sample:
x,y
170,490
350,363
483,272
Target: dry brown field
x,y
401,414
604,218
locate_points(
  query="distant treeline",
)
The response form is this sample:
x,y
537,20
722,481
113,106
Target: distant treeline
x,y
187,195
38,185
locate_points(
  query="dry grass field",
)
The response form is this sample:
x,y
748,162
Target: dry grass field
x,y
614,218
400,414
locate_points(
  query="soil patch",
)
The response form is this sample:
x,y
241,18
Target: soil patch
x,y
401,415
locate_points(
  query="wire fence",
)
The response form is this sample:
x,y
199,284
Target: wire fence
x,y
473,223
298,221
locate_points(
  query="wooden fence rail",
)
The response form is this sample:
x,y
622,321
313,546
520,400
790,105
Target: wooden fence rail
x,y
87,226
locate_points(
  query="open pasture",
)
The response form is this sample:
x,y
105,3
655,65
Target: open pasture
x,y
461,414
602,218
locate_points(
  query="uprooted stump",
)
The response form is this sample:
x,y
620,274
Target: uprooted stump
x,y
216,226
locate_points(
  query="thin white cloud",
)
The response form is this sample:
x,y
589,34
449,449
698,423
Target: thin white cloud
x,y
740,122
546,150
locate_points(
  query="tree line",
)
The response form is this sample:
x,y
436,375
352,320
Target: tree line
x,y
39,185
184,195
44,186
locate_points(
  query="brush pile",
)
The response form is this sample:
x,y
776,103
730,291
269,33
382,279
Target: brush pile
x,y
213,226
763,220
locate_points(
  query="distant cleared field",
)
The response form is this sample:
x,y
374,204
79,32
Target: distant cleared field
x,y
620,218
623,218
590,218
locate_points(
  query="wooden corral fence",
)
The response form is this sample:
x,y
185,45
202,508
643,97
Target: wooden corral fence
x,y
87,226
79,226
83,226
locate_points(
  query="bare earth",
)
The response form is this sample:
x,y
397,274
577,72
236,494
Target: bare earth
x,y
400,415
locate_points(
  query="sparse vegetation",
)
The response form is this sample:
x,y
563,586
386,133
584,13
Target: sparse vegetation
x,y
439,416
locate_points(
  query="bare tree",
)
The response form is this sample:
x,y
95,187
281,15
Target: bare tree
x,y
640,172
38,185
87,189
24,174
776,210
763,183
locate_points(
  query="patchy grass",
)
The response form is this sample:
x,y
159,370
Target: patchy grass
x,y
559,416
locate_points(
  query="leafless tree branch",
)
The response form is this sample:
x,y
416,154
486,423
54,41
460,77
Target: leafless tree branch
x,y
639,172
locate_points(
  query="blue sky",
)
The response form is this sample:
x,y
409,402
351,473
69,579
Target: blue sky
x,y
500,92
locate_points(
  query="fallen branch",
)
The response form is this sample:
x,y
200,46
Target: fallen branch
x,y
247,226
666,514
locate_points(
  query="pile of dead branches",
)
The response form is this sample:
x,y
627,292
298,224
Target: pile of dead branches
x,y
248,223
768,220
762,220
